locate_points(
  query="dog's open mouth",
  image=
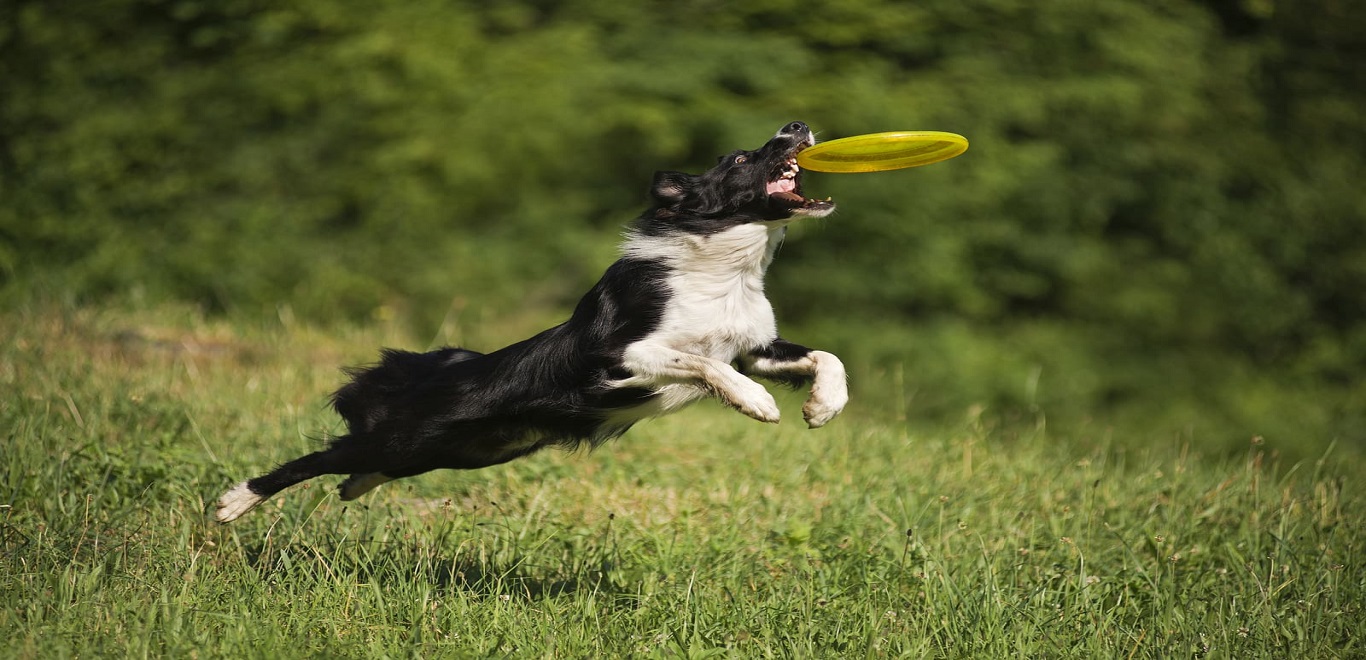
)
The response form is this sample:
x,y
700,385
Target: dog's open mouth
x,y
784,190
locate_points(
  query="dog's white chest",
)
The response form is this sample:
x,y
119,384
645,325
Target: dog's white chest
x,y
716,317
716,305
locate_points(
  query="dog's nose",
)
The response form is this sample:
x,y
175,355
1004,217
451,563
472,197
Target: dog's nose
x,y
795,127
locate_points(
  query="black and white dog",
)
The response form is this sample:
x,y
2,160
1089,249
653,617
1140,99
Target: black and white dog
x,y
681,316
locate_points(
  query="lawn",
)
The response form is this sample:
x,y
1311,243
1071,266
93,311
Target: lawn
x,y
703,534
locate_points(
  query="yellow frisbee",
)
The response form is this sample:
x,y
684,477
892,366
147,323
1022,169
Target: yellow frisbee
x,y
878,152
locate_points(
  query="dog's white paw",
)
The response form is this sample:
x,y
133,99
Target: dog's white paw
x,y
236,502
830,392
818,411
754,401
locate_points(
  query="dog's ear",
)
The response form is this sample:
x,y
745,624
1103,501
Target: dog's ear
x,y
671,187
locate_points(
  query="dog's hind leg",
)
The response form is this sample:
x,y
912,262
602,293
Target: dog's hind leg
x,y
359,484
342,458
363,482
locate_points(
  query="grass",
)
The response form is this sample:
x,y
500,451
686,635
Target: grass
x,y
700,535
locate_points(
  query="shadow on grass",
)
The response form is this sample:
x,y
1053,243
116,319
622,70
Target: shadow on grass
x,y
490,566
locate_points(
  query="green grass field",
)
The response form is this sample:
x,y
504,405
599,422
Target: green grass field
x,y
703,534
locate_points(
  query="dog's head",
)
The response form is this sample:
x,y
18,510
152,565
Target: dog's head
x,y
763,185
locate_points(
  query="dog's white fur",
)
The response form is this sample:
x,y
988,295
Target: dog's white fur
x,y
237,501
719,314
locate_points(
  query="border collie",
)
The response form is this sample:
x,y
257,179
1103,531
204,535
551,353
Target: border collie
x,y
680,316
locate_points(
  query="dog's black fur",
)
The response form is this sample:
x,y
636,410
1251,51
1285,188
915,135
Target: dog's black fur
x,y
664,326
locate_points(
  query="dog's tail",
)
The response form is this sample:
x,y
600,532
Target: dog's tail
x,y
367,399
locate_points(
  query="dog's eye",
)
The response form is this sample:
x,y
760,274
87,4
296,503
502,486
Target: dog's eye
x,y
740,159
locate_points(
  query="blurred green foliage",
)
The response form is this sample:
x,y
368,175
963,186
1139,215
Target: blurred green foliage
x,y
1161,219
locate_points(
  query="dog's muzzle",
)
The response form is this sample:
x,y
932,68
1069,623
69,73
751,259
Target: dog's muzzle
x,y
784,184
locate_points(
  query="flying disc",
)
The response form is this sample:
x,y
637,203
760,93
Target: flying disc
x,y
878,152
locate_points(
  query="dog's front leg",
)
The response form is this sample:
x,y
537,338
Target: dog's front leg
x,y
786,361
655,365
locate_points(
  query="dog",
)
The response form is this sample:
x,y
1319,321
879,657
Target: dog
x,y
679,317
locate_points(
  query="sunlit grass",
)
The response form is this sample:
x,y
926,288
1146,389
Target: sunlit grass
x,y
697,534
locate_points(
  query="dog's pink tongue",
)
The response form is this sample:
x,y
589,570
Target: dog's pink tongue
x,y
781,186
